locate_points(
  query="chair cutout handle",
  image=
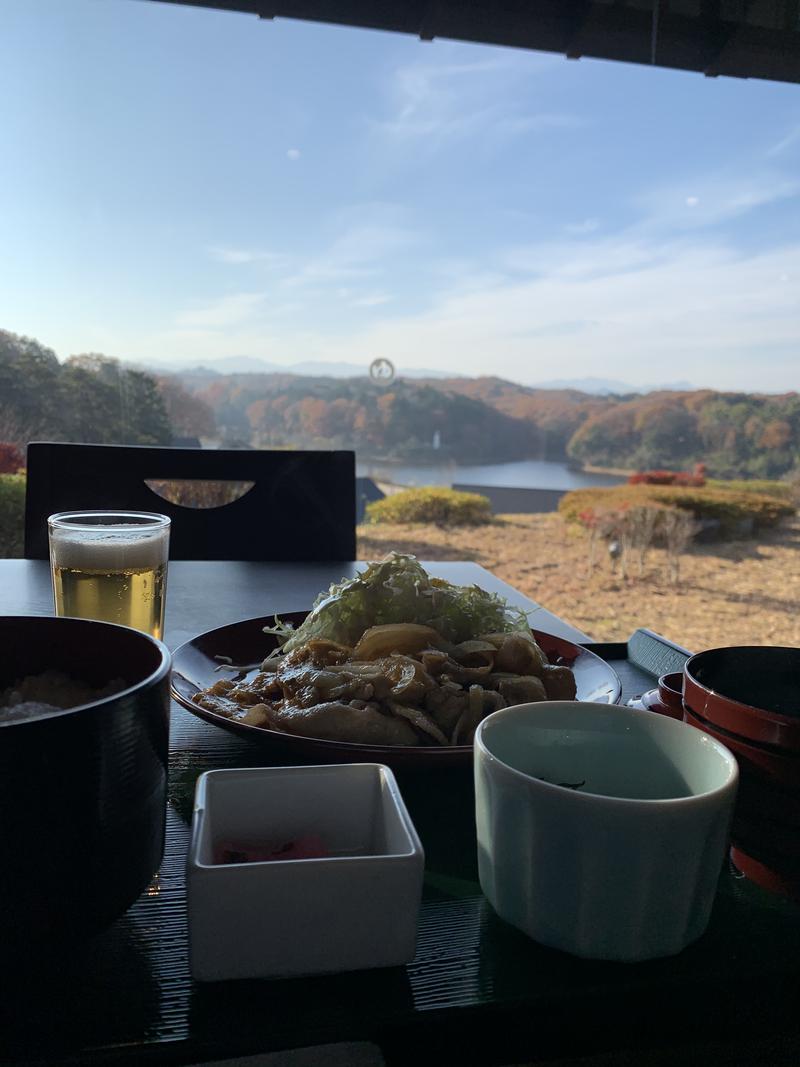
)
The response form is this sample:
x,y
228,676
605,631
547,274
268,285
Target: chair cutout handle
x,y
198,493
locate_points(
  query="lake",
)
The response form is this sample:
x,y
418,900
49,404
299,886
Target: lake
x,y
523,474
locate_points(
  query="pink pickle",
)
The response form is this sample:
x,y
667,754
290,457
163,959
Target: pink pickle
x,y
308,847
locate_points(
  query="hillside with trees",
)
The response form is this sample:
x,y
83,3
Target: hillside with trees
x,y
97,398
89,398
492,420
734,434
403,420
554,415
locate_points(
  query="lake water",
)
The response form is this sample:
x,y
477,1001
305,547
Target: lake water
x,y
524,474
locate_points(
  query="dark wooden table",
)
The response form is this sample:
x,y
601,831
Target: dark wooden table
x,y
478,992
202,596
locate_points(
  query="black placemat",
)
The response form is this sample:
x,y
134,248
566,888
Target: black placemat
x,y
477,991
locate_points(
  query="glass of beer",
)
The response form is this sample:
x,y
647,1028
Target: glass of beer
x,y
110,565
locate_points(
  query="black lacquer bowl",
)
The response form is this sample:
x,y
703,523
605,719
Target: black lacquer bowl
x,y
82,791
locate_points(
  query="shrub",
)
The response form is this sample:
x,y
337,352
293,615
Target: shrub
x,y
444,507
640,529
11,459
695,478
735,511
678,528
630,531
12,515
762,486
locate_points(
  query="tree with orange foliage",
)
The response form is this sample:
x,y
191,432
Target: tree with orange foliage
x,y
11,459
189,416
776,434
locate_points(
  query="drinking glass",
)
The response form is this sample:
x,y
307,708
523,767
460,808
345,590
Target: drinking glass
x,y
111,566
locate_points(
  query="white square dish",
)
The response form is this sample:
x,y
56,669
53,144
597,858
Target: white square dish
x,y
355,906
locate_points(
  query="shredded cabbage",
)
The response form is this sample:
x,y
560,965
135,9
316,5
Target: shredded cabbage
x,y
398,589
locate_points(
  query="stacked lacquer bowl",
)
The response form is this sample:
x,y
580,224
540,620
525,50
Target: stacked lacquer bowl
x,y
749,699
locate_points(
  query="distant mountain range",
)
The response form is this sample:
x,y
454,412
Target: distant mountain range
x,y
612,387
322,369
307,369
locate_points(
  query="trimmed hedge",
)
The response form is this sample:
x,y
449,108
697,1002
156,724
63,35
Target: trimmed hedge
x,y
444,507
734,510
695,478
12,515
762,486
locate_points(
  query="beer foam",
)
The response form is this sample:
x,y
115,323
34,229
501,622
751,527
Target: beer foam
x,y
109,552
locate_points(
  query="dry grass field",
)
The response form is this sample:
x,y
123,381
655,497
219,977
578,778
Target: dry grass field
x,y
739,592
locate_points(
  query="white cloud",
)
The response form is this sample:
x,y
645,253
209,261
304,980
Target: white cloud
x,y
715,198
360,252
225,311
426,97
701,310
441,102
516,124
791,138
370,300
587,226
293,153
651,296
585,259
710,314
246,255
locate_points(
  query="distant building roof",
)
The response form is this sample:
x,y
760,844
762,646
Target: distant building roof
x,y
739,38
366,492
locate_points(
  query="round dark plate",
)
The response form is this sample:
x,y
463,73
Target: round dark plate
x,y
195,667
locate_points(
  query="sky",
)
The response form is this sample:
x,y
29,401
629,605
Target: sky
x,y
180,185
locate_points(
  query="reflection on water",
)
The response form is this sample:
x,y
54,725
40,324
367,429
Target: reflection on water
x,y
524,474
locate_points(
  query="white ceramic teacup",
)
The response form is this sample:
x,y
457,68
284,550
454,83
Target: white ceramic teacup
x,y
625,865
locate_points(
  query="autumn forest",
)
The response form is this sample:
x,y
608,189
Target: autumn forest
x,y
92,397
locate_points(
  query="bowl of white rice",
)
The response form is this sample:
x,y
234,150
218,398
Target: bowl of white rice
x,y
48,693
84,736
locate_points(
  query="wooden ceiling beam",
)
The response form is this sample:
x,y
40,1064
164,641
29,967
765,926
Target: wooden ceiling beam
x,y
708,43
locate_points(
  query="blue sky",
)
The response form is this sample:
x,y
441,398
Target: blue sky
x,y
181,185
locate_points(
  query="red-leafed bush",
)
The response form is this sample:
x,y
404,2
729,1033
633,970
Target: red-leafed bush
x,y
12,515
11,459
732,510
694,479
652,478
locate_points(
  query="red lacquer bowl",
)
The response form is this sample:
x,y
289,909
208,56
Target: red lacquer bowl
x,y
667,699
766,821
750,691
768,799
756,760
770,874
763,837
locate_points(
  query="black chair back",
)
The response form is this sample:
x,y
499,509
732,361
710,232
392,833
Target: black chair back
x,y
301,506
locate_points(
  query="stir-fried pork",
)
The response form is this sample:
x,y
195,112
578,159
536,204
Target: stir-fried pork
x,y
400,685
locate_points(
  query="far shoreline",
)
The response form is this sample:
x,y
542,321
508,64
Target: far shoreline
x,y
618,472
433,460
